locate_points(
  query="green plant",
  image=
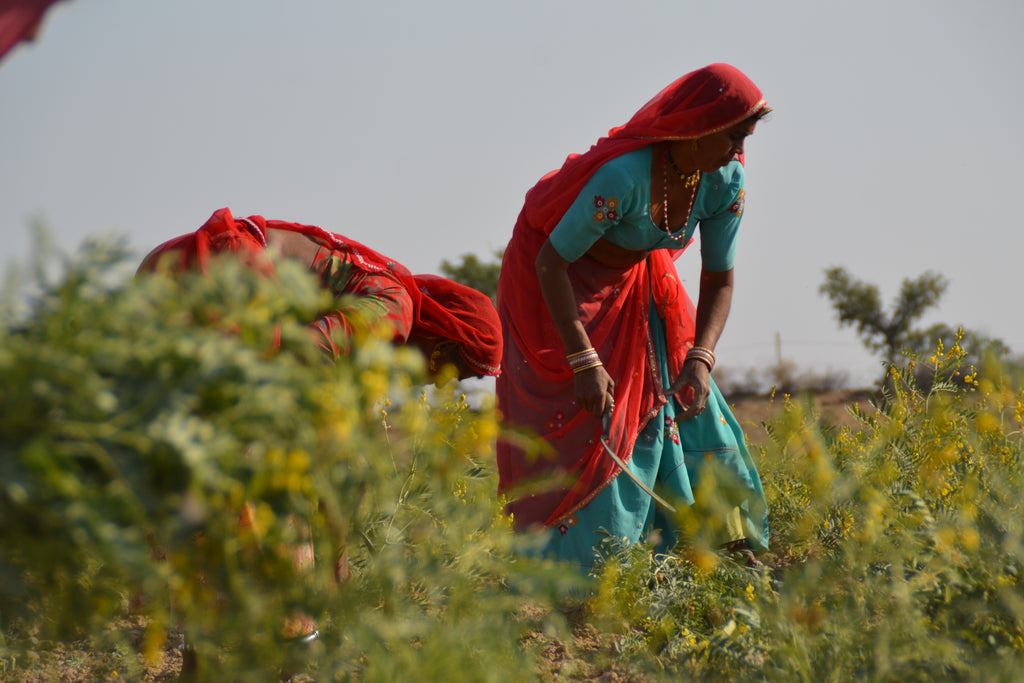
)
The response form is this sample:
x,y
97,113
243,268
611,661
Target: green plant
x,y
898,551
892,333
140,418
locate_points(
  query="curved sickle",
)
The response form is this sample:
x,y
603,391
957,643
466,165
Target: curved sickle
x,y
606,421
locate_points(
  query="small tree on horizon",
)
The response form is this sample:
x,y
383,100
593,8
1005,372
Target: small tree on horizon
x,y
858,304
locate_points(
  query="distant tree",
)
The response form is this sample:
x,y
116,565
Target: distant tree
x,y
858,304
472,272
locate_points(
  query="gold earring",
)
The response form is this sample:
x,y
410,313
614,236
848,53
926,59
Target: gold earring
x,y
435,358
694,145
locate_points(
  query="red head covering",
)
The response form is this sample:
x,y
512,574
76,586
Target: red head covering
x,y
451,310
700,103
441,308
613,303
222,233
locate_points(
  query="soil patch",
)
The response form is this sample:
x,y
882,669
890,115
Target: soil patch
x,y
834,406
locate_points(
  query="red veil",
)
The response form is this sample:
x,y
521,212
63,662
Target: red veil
x,y
536,390
441,308
19,20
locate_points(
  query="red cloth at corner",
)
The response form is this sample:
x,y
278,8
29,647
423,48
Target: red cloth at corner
x,y
19,20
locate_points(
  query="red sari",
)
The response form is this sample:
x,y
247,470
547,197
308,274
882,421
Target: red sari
x,y
19,20
424,306
536,393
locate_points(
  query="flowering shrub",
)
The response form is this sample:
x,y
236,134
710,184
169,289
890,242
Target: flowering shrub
x,y
140,421
898,551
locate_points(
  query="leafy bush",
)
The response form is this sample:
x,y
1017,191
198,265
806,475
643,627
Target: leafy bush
x,y
892,333
139,419
899,551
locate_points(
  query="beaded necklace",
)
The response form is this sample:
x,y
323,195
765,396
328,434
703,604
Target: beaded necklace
x,y
691,182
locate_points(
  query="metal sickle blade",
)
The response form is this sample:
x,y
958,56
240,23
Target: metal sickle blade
x,y
607,420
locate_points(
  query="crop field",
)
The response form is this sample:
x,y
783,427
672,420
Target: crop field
x,y
167,452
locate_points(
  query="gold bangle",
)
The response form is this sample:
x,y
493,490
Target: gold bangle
x,y
584,352
701,359
586,359
580,369
711,354
702,354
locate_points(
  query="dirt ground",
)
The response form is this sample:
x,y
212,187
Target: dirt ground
x,y
753,411
74,663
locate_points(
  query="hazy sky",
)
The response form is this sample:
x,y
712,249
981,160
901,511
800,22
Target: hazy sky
x,y
417,127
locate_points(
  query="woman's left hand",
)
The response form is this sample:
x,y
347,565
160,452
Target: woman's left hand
x,y
691,389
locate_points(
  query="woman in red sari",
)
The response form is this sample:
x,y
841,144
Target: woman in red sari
x,y
451,323
596,323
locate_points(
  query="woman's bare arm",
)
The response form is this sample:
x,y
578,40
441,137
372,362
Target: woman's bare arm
x,y
594,387
712,311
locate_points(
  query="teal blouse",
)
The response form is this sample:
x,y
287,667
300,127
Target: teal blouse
x,y
615,205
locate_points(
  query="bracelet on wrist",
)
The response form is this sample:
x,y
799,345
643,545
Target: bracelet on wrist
x,y
584,352
703,361
592,364
703,355
705,350
583,359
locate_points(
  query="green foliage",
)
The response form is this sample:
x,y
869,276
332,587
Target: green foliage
x,y
140,419
475,273
899,552
858,304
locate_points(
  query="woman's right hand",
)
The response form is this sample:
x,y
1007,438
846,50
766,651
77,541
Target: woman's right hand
x,y
594,387
595,390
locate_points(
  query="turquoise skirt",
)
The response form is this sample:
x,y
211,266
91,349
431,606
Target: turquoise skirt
x,y
670,459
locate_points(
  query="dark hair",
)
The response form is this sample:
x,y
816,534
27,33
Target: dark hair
x,y
760,114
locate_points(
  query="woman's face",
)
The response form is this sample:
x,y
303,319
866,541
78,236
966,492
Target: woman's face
x,y
716,150
441,353
446,353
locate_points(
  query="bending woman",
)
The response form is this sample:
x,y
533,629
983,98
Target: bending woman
x,y
595,319
452,324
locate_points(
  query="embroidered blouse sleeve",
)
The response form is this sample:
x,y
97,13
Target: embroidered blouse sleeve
x,y
611,194
720,231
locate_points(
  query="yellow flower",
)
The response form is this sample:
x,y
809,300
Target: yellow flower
x,y
970,540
